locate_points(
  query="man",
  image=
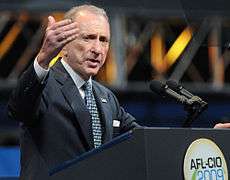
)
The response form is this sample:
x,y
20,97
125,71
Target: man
x,y
63,112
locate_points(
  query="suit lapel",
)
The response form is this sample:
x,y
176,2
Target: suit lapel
x,y
74,99
104,109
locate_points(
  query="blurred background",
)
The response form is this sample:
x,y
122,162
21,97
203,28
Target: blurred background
x,y
184,40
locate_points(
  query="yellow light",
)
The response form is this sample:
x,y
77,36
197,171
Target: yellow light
x,y
111,68
157,53
178,46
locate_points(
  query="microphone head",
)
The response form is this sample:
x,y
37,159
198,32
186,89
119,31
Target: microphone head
x,y
173,85
157,86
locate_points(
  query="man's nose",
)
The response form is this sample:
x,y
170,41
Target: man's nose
x,y
96,47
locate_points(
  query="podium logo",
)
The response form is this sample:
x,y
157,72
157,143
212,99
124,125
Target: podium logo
x,y
204,161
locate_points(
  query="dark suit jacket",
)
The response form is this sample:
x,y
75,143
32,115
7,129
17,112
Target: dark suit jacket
x,y
55,122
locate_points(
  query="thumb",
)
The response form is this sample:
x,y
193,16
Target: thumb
x,y
51,20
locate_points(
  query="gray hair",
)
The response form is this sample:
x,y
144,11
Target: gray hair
x,y
72,13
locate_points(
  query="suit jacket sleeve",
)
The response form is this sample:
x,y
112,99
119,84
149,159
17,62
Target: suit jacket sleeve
x,y
128,122
26,98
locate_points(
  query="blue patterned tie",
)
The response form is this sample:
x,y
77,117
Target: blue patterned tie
x,y
92,107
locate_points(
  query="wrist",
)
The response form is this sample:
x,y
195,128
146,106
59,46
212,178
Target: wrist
x,y
42,61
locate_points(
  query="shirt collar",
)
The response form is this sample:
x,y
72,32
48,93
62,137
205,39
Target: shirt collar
x,y
78,81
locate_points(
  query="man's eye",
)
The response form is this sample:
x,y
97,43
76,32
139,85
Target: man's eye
x,y
86,38
104,39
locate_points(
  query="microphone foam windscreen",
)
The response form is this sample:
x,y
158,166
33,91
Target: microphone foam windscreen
x,y
156,86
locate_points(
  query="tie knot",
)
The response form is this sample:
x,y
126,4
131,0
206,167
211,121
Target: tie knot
x,y
87,86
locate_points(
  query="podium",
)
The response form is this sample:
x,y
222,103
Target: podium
x,y
145,153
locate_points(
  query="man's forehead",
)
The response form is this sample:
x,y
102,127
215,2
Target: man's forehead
x,y
82,13
86,14
91,21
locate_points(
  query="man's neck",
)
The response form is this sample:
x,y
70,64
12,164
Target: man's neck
x,y
76,77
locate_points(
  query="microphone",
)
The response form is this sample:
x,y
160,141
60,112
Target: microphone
x,y
194,105
179,89
164,90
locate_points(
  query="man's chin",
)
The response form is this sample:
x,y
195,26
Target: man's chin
x,y
92,72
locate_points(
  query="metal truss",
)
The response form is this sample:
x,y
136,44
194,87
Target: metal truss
x,y
133,39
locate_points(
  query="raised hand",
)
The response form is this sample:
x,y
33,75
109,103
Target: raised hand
x,y
57,35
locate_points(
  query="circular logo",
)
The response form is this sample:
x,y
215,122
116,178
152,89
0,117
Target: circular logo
x,y
204,161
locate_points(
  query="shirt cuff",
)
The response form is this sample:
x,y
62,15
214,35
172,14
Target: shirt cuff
x,y
40,71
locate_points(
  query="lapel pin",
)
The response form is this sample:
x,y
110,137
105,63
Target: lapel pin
x,y
103,100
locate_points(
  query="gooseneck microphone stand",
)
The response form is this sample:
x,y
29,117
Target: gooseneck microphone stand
x,y
194,109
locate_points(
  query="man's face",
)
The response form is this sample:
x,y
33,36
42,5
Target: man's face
x,y
87,53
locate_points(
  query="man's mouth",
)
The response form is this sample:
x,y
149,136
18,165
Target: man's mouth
x,y
93,62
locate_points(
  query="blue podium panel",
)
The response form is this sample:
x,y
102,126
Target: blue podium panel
x,y
9,162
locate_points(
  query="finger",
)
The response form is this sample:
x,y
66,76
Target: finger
x,y
66,34
69,39
60,24
226,125
222,125
51,21
217,125
65,28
